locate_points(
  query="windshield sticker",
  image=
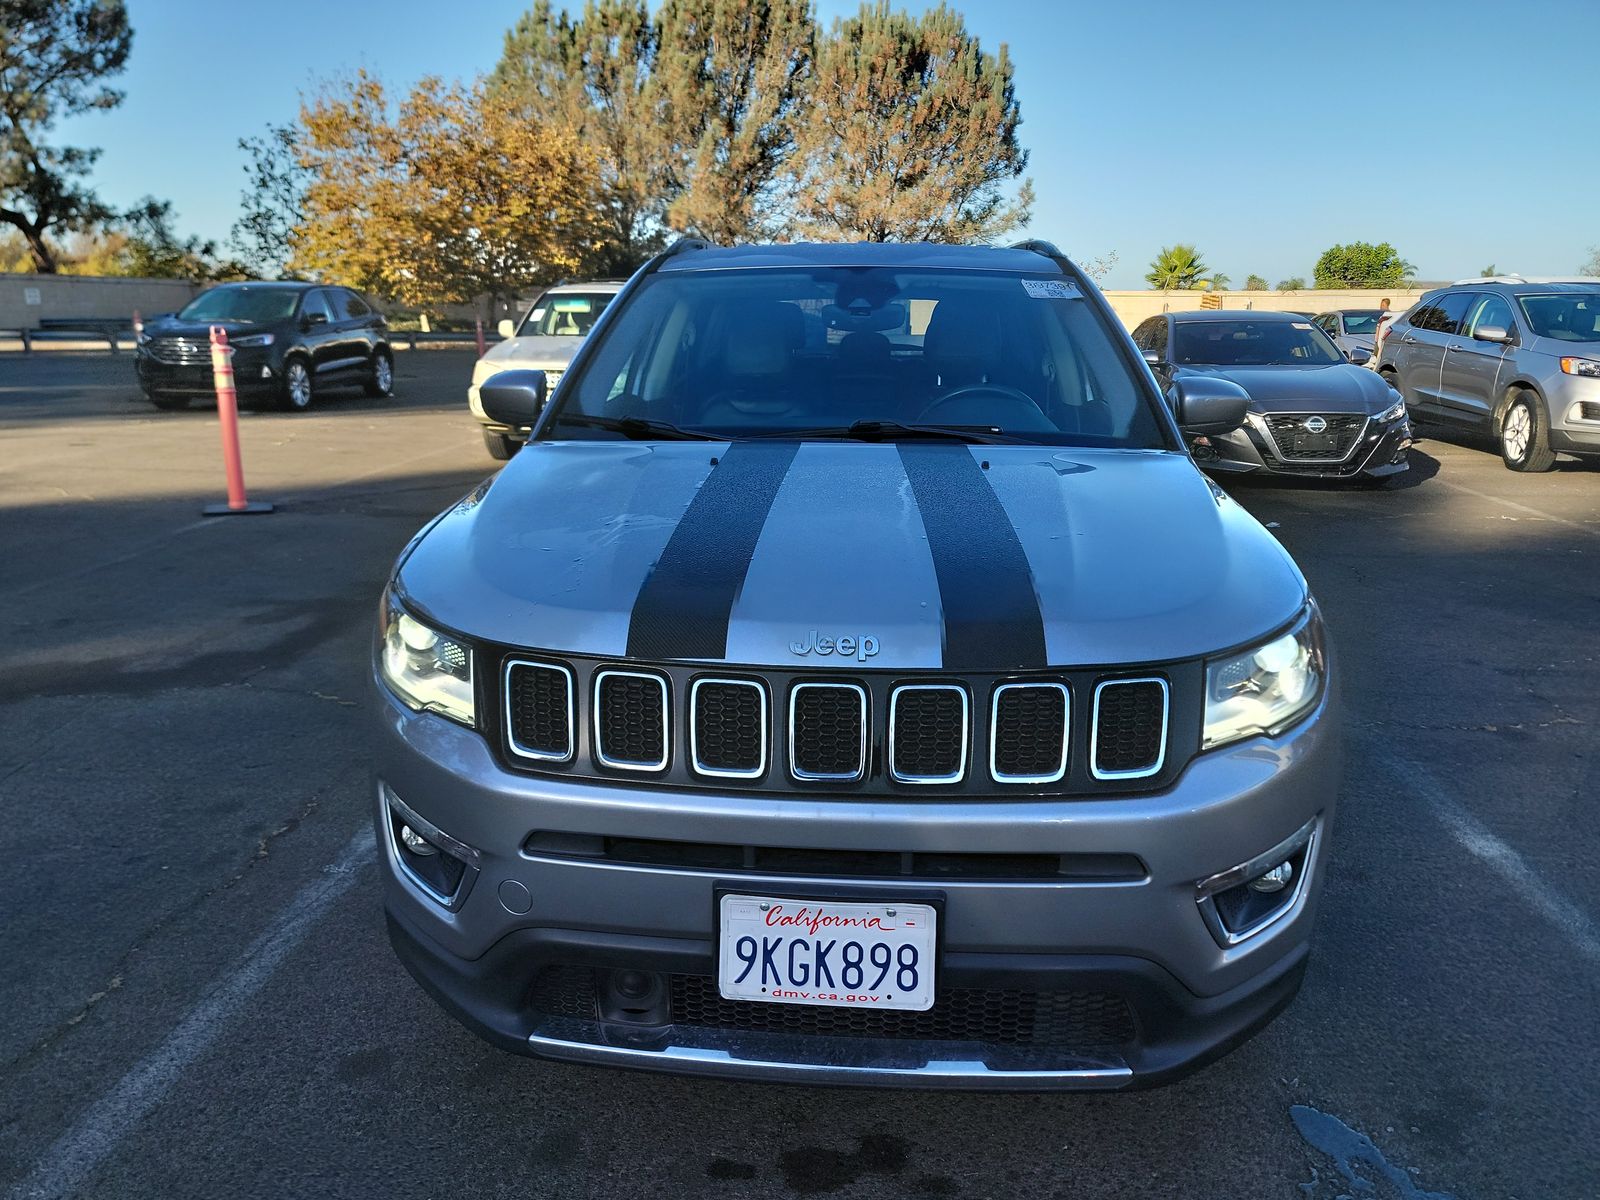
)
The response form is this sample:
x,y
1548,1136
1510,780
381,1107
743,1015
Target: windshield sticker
x,y
536,314
1301,324
1051,289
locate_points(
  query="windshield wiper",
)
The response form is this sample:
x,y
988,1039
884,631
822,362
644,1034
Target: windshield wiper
x,y
639,429
894,431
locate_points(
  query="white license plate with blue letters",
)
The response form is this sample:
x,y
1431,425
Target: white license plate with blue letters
x,y
787,951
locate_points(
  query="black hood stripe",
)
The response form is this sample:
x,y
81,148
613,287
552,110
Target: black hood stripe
x,y
683,605
991,610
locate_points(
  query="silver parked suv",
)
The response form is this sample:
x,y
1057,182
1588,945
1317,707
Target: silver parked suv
x,y
854,680
1516,358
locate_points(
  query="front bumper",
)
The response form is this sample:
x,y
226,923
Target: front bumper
x,y
1380,452
195,379
524,952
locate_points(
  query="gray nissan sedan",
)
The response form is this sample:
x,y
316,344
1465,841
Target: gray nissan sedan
x,y
854,680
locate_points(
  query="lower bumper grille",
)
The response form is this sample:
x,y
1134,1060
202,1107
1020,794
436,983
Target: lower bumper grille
x,y
1079,1020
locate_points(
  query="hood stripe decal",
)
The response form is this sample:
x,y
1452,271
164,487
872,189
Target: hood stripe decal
x,y
991,609
683,606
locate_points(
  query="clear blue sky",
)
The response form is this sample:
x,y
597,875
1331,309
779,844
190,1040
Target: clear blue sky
x,y
1464,132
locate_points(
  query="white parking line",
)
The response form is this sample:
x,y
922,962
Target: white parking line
x,y
97,1133
1582,527
1494,853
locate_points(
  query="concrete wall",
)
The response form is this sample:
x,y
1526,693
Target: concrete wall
x,y
1134,307
24,299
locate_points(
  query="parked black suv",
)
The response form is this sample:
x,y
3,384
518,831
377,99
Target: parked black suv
x,y
290,340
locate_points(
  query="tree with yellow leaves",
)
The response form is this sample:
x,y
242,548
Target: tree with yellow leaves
x,y
451,195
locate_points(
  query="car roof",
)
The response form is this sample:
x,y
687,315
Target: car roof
x,y
1526,287
1342,311
1233,314
275,285
859,254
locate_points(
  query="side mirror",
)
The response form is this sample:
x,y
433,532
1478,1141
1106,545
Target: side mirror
x,y
1206,405
1358,356
1153,357
315,318
507,328
514,398
1492,333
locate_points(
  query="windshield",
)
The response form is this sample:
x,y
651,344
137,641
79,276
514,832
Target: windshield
x,y
1252,344
249,305
1362,322
566,314
1573,317
768,351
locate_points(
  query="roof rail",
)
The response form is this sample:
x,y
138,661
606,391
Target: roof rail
x,y
684,244
1490,279
1038,246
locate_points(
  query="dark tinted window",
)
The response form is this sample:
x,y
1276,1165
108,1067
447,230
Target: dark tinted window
x,y
1245,343
1152,335
1572,317
760,352
352,306
1427,314
316,302
241,302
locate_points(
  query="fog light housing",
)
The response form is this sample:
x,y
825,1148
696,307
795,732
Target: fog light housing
x,y
1244,901
631,997
442,867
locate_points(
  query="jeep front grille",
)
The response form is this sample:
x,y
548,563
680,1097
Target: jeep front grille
x,y
1130,728
928,733
1078,731
630,720
539,710
1029,732
828,731
728,728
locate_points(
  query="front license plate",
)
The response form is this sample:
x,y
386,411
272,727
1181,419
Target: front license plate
x,y
791,951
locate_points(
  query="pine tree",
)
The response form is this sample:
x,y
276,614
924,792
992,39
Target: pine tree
x,y
912,133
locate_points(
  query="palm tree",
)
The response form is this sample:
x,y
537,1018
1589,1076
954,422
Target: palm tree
x,y
1217,283
1178,266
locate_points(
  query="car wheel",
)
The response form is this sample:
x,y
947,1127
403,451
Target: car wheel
x,y
296,391
1392,377
380,376
168,403
500,447
1524,435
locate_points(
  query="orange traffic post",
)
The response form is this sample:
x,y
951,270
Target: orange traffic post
x,y
228,418
482,347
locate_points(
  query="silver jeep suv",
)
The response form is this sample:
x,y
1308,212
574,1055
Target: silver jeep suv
x,y
1515,358
854,680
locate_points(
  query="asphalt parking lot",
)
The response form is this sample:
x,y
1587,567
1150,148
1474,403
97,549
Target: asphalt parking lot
x,y
200,1000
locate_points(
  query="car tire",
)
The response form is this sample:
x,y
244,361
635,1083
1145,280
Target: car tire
x,y
1525,434
295,391
1392,378
169,403
500,447
380,375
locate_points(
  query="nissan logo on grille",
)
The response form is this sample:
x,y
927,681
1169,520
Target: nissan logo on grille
x,y
1316,424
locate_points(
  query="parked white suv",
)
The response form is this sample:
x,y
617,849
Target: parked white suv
x,y
544,340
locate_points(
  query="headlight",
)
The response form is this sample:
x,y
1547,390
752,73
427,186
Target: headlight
x,y
1393,413
1581,366
426,669
252,339
1267,689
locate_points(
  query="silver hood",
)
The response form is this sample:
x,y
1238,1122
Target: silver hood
x,y
1336,387
535,352
944,555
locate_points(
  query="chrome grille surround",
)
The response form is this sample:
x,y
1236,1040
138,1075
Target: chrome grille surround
x,y
600,754
516,747
179,351
760,690
814,776
1060,771
1094,729
1344,425
965,735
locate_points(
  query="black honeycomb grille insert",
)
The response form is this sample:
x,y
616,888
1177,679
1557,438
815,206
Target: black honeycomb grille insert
x,y
538,704
1333,441
632,719
929,732
1067,1020
827,741
729,727
1130,723
1030,731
